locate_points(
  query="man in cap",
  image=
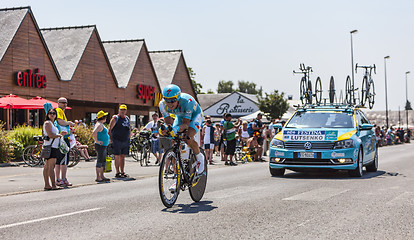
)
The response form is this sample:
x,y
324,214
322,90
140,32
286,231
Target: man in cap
x,y
63,125
119,131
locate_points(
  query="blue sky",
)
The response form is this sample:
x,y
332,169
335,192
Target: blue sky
x,y
259,41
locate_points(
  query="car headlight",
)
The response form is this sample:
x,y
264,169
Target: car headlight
x,y
277,143
344,144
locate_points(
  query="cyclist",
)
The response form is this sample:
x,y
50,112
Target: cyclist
x,y
189,116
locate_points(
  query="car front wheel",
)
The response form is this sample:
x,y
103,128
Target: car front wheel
x,y
373,167
357,172
275,172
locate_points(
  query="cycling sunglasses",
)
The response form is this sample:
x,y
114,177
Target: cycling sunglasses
x,y
170,100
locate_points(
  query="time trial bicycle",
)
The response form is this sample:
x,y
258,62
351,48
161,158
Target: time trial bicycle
x,y
306,93
178,172
368,88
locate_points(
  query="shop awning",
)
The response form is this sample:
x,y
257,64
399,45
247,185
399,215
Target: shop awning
x,y
14,102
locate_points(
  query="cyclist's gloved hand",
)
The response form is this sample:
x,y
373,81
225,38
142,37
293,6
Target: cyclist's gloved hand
x,y
173,130
162,129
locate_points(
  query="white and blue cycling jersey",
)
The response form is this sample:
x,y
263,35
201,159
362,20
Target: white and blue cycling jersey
x,y
187,108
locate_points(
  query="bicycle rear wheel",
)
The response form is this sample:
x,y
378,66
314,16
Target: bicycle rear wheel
x,y
364,93
371,94
332,90
169,174
74,157
348,91
198,183
309,93
27,156
134,151
318,90
303,90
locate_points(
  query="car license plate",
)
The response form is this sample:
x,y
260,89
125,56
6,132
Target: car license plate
x,y
307,155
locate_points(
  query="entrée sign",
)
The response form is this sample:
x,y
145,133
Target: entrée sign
x,y
29,79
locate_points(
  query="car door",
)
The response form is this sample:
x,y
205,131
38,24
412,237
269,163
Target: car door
x,y
365,136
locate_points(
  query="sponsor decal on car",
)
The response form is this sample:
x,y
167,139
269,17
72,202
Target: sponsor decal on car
x,y
279,154
304,135
335,154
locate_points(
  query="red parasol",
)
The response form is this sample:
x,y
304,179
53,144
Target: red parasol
x,y
14,102
39,101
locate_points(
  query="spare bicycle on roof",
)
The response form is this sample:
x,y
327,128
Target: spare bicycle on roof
x,y
367,90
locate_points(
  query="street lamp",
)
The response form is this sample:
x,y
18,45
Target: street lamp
x,y
406,97
386,98
352,62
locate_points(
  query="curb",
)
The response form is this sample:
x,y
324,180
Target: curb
x,y
10,164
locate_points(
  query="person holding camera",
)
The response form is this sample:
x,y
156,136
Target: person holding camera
x,y
51,138
230,138
208,139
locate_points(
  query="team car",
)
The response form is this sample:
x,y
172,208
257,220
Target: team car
x,y
325,137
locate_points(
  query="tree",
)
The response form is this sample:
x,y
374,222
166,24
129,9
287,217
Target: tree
x,y
197,86
225,87
408,105
274,105
209,91
248,87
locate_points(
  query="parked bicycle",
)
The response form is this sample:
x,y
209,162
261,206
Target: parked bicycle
x,y
31,154
368,89
178,172
306,93
141,147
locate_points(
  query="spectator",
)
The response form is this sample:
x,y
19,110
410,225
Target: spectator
x,y
155,142
119,131
254,147
208,139
217,137
83,150
243,132
223,144
63,125
51,132
230,132
101,137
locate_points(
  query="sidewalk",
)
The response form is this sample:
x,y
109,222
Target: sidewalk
x,y
24,179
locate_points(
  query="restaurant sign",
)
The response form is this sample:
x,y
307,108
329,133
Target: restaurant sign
x,y
236,104
30,79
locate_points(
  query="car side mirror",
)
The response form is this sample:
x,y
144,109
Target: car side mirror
x,y
366,126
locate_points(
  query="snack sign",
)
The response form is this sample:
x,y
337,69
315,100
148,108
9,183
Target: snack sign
x,y
303,135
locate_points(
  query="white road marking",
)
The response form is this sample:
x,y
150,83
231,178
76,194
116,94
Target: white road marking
x,y
226,193
319,194
406,198
48,218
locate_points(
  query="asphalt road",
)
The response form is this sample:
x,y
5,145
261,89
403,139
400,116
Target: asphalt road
x,y
242,202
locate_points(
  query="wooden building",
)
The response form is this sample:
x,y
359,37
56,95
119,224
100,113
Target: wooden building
x,y
92,74
23,50
171,68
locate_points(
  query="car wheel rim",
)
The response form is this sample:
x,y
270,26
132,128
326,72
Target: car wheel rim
x,y
376,158
360,162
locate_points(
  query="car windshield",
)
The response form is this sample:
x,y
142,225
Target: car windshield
x,y
321,120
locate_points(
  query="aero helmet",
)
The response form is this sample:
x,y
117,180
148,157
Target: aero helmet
x,y
171,91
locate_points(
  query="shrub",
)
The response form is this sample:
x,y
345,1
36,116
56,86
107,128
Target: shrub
x,y
24,135
5,148
17,150
85,138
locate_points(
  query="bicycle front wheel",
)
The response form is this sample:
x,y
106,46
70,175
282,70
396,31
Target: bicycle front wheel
x,y
198,183
169,178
